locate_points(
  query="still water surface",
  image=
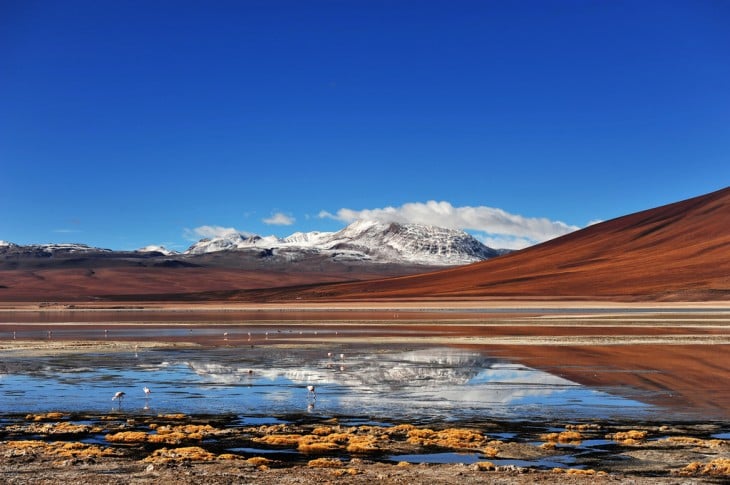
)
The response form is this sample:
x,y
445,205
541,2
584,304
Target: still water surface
x,y
420,384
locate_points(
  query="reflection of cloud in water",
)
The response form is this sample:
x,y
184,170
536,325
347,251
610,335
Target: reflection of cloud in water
x,y
413,384
430,378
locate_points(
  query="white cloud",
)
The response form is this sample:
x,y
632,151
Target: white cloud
x,y
209,232
495,227
279,219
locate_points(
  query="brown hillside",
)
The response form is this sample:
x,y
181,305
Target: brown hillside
x,y
680,251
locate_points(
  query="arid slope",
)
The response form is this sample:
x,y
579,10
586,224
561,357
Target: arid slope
x,y
680,251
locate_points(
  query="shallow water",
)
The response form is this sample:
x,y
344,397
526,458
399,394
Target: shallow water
x,y
377,382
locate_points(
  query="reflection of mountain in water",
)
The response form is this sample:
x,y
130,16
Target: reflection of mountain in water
x,y
432,367
420,377
420,384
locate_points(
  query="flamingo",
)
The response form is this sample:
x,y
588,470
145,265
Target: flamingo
x,y
312,392
119,395
147,391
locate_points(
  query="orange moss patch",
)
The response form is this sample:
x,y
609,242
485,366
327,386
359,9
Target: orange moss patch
x,y
175,455
168,438
688,440
719,467
322,430
280,439
127,437
490,451
44,417
454,438
484,466
583,427
258,461
324,463
58,428
171,435
345,471
575,471
228,456
60,448
631,437
566,437
314,444
362,444
323,441
82,450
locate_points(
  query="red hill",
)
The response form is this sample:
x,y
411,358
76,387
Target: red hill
x,y
679,251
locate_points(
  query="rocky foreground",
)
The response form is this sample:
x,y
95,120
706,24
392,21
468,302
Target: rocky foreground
x,y
57,447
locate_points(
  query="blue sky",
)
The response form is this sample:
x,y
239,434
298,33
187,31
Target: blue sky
x,y
129,123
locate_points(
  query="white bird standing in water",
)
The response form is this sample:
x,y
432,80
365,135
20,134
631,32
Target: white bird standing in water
x,y
119,395
147,391
312,393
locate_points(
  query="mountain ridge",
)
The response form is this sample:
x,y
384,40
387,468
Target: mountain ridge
x,y
368,240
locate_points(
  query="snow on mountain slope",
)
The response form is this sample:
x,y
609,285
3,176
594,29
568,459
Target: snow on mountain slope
x,y
367,240
156,249
51,248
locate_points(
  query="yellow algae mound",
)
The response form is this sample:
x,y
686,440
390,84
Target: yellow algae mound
x,y
454,438
170,435
565,438
81,450
490,451
44,417
576,471
127,437
280,439
484,466
583,427
345,471
688,440
59,448
258,461
322,430
325,463
323,440
719,467
176,455
172,416
49,429
399,430
631,437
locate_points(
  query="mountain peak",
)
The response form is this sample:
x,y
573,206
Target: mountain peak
x,y
382,242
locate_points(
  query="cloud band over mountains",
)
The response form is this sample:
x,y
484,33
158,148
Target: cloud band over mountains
x,y
494,227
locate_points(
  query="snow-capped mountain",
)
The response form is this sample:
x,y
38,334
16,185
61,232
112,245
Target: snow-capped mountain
x,y
50,249
156,249
367,241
